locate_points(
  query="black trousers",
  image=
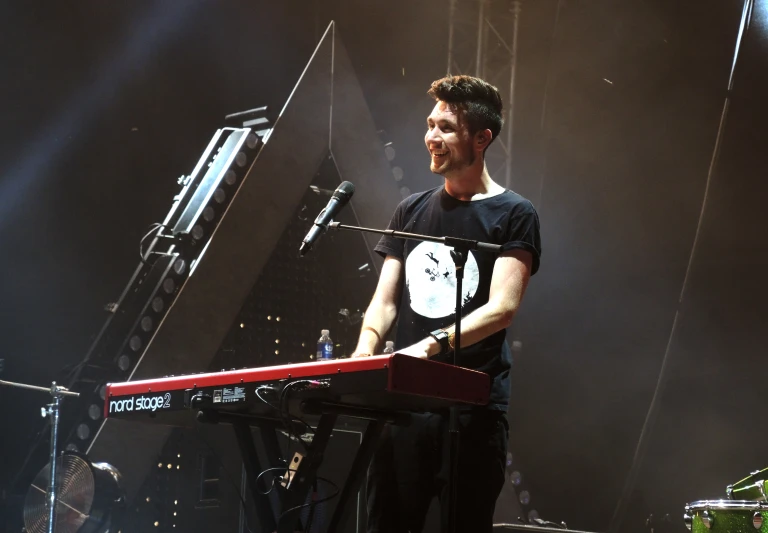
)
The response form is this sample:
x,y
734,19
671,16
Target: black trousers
x,y
410,467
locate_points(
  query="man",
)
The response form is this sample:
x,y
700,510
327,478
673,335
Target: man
x,y
417,286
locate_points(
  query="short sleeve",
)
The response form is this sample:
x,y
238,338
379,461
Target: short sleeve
x,y
390,245
523,233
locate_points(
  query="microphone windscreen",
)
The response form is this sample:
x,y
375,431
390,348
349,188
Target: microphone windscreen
x,y
345,190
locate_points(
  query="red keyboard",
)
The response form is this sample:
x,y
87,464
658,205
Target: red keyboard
x,y
390,382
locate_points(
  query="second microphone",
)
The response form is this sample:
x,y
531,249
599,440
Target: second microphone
x,y
340,198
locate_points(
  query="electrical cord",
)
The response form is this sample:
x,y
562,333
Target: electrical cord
x,y
308,383
231,479
311,514
282,409
264,400
154,227
311,504
285,415
256,483
286,422
287,418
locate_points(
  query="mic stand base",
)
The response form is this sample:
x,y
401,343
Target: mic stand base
x,y
51,410
461,248
459,256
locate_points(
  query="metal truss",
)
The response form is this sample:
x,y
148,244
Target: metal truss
x,y
482,42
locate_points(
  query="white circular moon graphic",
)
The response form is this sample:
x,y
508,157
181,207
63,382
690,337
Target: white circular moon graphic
x,y
431,278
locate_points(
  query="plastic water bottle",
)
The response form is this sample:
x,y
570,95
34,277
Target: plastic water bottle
x,y
390,347
324,346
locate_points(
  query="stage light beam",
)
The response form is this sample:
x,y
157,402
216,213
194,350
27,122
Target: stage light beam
x,y
155,28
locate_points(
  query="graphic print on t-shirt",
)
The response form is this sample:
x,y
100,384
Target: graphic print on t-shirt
x,y
431,278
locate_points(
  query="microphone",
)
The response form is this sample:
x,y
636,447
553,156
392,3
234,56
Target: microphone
x,y
339,199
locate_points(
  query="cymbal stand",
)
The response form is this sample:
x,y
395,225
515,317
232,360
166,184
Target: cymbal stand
x,y
51,410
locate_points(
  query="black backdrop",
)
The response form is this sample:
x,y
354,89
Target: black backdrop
x,y
617,113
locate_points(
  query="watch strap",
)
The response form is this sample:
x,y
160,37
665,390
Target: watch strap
x,y
442,337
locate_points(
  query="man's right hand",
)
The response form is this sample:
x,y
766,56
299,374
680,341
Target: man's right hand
x,y
382,311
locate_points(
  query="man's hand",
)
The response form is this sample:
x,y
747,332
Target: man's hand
x,y
382,311
422,349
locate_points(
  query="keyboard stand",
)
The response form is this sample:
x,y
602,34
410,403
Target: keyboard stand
x,y
282,512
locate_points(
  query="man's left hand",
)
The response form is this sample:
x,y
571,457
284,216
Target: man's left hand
x,y
420,350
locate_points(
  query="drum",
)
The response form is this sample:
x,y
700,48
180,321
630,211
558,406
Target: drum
x,y
753,487
726,516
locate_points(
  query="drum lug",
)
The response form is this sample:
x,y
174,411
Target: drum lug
x,y
688,520
757,520
707,519
729,492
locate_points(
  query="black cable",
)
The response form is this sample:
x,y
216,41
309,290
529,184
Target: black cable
x,y
264,400
276,408
285,416
283,406
256,483
284,420
311,517
321,500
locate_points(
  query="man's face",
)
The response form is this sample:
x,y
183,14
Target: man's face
x,y
448,140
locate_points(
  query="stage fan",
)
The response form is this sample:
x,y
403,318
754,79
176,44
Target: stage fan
x,y
89,499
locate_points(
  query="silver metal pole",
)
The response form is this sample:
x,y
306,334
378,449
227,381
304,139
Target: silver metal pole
x,y
451,23
516,8
486,53
479,58
53,412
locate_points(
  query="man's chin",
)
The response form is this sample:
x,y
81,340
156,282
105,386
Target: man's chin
x,y
437,169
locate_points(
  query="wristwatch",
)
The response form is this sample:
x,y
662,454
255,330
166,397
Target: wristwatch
x,y
441,336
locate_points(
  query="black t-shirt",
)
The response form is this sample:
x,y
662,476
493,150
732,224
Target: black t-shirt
x,y
428,299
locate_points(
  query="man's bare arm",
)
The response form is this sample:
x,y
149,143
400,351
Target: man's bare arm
x,y
511,273
382,311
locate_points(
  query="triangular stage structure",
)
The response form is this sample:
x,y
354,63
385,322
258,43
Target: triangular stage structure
x,y
325,115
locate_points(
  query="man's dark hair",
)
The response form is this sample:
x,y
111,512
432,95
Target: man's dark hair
x,y
479,100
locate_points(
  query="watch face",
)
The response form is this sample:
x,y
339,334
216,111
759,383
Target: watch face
x,y
439,335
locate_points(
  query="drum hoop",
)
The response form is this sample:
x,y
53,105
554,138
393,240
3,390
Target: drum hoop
x,y
727,505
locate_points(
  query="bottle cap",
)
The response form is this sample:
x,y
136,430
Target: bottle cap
x,y
390,343
325,332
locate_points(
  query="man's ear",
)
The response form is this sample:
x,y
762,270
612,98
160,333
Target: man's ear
x,y
482,139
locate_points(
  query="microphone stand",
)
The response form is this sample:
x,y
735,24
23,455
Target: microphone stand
x,y
57,392
459,253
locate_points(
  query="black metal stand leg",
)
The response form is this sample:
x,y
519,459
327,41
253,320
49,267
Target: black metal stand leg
x,y
356,474
269,440
53,412
264,511
293,498
453,457
459,256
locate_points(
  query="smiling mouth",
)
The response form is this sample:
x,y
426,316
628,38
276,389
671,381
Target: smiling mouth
x,y
439,154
